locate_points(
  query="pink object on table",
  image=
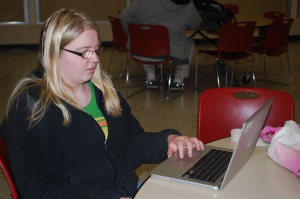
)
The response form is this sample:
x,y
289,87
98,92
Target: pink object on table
x,y
285,146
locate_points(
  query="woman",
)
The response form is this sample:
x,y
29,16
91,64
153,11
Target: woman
x,y
68,132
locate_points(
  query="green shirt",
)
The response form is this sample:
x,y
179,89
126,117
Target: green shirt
x,y
93,109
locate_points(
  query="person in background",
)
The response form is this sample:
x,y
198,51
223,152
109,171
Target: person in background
x,y
68,132
177,16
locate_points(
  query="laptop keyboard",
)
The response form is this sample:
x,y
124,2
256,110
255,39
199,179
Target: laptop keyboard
x,y
210,167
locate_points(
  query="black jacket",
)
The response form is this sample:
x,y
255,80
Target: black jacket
x,y
52,161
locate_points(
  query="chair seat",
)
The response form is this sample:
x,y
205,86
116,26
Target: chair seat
x,y
260,49
150,60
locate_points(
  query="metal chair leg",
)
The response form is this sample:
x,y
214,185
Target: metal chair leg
x,y
196,74
122,63
170,98
127,74
289,68
161,74
181,80
253,69
226,72
123,59
289,71
261,63
127,80
280,61
169,82
217,68
265,67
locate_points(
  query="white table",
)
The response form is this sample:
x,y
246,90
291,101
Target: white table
x,y
260,177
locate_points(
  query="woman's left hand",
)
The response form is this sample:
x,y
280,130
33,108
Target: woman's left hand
x,y
179,143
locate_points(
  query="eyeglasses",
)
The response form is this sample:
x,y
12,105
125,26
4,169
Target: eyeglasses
x,y
86,54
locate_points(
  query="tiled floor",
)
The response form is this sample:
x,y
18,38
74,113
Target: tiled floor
x,y
150,106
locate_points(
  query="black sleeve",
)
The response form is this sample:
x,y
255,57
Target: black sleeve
x,y
147,146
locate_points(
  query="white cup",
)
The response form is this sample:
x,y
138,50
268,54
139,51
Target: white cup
x,y
235,133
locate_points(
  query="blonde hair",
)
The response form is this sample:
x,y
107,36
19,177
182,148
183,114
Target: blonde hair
x,y
60,29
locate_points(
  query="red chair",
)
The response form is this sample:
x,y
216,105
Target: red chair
x,y
149,44
276,16
233,8
223,109
119,41
5,165
275,44
235,43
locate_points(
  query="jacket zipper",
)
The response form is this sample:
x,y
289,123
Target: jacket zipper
x,y
112,162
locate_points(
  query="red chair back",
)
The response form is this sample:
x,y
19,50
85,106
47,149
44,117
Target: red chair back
x,y
223,109
233,8
277,37
236,37
275,15
119,36
5,165
149,41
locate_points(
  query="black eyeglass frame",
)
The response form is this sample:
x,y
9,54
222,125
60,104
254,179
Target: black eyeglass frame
x,y
98,52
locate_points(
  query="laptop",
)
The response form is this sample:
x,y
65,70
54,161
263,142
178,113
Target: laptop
x,y
197,170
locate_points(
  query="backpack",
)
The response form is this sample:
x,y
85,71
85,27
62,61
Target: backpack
x,y
213,14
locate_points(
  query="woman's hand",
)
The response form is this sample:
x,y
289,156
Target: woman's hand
x,y
179,143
